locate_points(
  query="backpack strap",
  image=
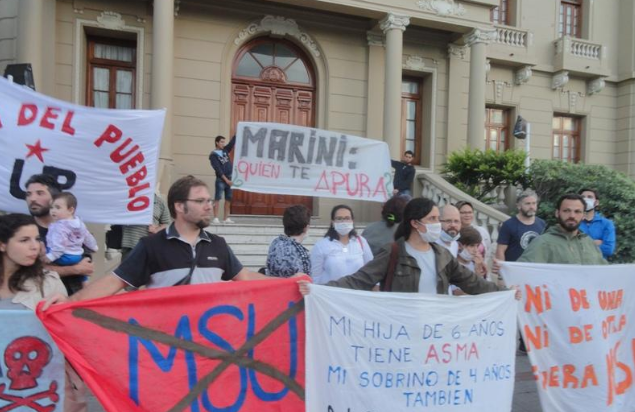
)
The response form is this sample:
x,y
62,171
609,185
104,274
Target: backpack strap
x,y
392,265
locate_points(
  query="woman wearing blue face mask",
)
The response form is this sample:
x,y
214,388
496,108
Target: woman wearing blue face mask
x,y
420,265
342,251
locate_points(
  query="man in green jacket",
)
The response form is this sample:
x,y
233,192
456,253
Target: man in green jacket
x,y
565,243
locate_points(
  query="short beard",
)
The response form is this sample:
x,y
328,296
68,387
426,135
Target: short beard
x,y
528,214
569,229
40,213
202,224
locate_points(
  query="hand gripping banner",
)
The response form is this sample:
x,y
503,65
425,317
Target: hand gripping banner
x,y
231,346
385,352
577,322
106,158
31,366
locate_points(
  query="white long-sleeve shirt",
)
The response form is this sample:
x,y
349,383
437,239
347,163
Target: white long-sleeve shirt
x,y
331,259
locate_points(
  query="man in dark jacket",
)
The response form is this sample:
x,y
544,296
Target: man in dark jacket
x,y
404,174
222,165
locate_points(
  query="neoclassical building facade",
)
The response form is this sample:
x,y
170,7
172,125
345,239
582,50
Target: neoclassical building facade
x,y
432,76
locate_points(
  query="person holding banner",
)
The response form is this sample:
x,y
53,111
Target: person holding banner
x,y
564,243
24,282
414,262
182,254
342,251
40,190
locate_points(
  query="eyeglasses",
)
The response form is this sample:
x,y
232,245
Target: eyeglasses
x,y
343,219
201,201
467,212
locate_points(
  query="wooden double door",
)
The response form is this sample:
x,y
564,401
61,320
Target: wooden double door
x,y
268,103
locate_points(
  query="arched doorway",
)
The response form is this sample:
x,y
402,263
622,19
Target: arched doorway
x,y
272,81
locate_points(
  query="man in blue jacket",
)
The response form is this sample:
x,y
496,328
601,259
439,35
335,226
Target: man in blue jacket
x,y
599,228
222,164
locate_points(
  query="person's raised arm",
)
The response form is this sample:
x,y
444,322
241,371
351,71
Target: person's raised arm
x,y
107,285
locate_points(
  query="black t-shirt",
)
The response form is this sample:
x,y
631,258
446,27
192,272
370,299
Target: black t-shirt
x,y
517,236
164,259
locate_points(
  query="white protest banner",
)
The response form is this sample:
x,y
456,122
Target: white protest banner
x,y
577,325
106,158
294,160
378,352
32,367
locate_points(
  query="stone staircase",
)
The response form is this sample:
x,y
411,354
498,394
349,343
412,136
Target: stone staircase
x,y
250,237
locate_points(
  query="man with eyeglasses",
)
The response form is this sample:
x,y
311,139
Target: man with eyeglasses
x,y
451,225
183,253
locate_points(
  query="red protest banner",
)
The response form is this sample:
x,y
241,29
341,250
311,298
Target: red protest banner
x,y
234,346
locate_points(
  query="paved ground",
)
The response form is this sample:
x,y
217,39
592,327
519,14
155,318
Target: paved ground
x,y
525,395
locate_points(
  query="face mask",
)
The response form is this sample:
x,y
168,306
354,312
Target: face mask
x,y
432,234
343,228
466,255
590,204
447,238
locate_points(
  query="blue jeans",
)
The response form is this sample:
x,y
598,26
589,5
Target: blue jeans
x,y
221,187
70,260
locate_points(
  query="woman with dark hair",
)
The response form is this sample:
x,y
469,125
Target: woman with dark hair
x,y
286,255
24,282
467,219
421,265
381,233
342,251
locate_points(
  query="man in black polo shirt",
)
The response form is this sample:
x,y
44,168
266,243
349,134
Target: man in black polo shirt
x,y
183,253
40,190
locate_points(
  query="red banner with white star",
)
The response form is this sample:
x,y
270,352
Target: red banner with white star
x,y
106,158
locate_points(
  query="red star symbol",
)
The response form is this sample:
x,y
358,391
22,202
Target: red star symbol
x,y
37,150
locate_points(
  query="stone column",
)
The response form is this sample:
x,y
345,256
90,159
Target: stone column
x,y
162,79
30,38
393,27
457,84
477,40
375,86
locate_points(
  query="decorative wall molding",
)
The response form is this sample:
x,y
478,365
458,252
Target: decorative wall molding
x,y
417,63
573,100
394,22
375,38
278,26
456,51
111,20
177,7
442,8
488,66
480,36
595,86
522,75
499,89
560,79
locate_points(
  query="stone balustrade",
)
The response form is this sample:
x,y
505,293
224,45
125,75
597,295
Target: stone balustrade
x,y
442,192
512,36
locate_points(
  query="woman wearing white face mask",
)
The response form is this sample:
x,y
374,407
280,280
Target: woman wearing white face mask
x,y
420,265
341,251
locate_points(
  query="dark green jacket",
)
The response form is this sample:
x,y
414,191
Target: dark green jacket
x,y
558,246
407,273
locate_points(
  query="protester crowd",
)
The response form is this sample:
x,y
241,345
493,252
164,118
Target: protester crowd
x,y
416,246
